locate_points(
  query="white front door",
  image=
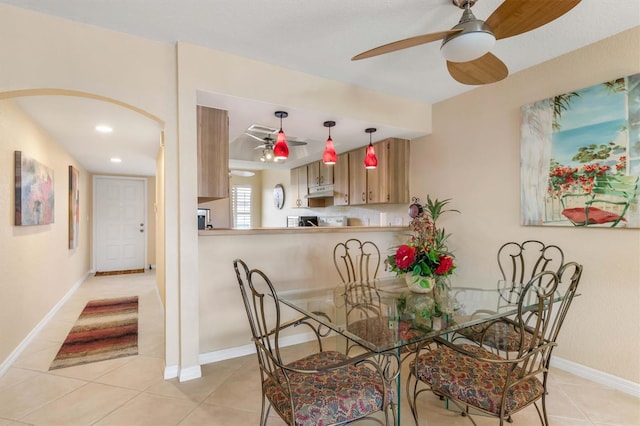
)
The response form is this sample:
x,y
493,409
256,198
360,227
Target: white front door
x,y
119,214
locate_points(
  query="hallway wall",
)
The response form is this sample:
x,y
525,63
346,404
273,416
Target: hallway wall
x,y
37,268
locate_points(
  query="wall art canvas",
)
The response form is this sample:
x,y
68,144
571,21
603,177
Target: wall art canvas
x,y
74,207
34,197
580,157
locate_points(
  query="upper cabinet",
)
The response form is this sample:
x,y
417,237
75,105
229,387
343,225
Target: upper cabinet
x,y
213,154
319,174
357,177
299,187
341,180
386,184
392,177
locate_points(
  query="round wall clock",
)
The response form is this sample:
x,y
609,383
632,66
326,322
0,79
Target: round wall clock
x,y
278,196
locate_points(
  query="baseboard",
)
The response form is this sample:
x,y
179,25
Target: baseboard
x,y
13,356
190,373
606,379
171,372
248,349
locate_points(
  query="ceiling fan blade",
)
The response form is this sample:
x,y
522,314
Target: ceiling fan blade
x,y
254,136
484,70
515,17
404,44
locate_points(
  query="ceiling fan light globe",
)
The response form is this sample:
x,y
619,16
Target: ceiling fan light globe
x,y
467,46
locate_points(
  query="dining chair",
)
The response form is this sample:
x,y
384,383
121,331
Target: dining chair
x,y
472,376
518,263
356,261
324,388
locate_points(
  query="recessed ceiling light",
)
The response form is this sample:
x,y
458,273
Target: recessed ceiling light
x,y
116,160
103,128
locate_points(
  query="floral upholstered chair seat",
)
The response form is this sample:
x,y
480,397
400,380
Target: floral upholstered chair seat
x,y
476,382
329,397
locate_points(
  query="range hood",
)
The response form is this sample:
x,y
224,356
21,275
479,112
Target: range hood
x,y
322,191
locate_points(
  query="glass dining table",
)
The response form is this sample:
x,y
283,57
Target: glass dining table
x,y
384,317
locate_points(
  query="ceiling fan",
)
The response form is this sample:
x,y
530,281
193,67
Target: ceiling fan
x,y
268,143
466,46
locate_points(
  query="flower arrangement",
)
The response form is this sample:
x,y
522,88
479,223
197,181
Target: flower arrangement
x,y
425,256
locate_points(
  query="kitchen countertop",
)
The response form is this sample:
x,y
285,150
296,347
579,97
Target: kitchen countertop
x,y
298,230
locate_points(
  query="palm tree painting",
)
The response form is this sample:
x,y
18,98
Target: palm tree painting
x,y
580,157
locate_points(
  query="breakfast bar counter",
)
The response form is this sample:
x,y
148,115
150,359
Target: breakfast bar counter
x,y
296,254
299,230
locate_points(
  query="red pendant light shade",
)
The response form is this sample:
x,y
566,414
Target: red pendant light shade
x,y
281,150
329,156
370,159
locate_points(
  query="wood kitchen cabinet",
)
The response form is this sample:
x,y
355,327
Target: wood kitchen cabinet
x,y
319,173
357,177
213,154
341,180
299,187
389,182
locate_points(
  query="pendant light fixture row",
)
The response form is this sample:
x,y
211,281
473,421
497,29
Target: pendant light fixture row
x,y
281,150
329,156
370,159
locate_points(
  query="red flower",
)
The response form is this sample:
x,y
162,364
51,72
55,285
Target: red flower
x,y
405,256
445,264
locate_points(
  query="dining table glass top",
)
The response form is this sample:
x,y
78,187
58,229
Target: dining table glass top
x,y
383,314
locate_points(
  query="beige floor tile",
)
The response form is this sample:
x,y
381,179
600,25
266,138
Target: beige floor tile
x,y
38,361
604,405
242,392
151,410
138,374
91,371
29,395
84,406
5,422
14,376
211,415
194,390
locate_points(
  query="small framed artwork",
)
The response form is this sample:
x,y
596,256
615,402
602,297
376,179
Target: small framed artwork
x,y
34,196
74,207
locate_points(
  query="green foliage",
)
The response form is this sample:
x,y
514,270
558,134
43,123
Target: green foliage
x,y
593,152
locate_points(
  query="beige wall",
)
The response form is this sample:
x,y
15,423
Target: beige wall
x,y
37,268
473,156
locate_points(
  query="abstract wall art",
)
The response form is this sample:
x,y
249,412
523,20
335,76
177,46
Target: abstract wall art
x,y
580,157
74,207
34,195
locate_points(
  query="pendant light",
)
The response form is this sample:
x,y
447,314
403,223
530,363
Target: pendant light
x,y
370,159
281,150
329,156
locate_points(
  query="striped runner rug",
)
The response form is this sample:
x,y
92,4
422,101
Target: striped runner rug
x,y
106,329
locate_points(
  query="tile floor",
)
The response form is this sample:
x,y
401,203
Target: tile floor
x,y
131,391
